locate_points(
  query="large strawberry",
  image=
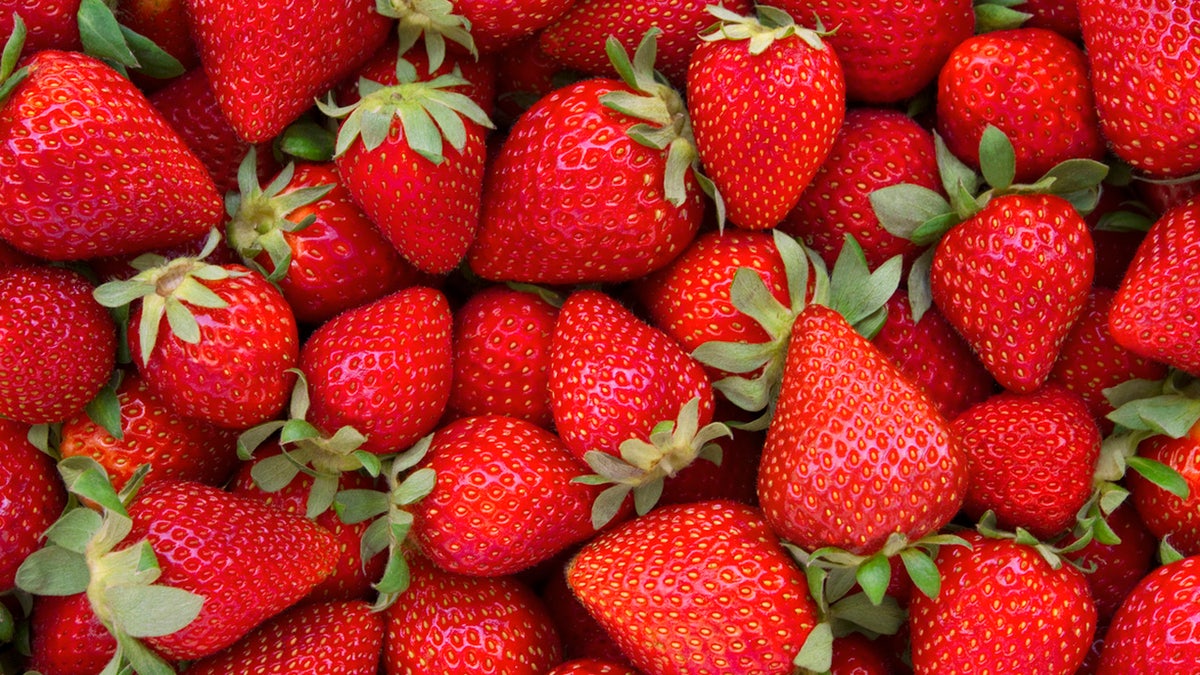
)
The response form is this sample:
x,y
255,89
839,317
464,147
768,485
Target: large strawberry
x,y
767,99
31,498
1154,630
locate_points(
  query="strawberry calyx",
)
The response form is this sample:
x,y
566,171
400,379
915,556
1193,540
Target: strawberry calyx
x,y
760,30
434,20
166,288
119,46
82,556
1055,553
429,113
10,75
259,216
994,15
644,464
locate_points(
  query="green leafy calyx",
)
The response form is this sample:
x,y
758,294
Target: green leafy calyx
x,y
434,20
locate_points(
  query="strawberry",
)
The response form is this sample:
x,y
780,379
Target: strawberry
x,y
336,638
1154,313
504,498
889,52
495,25
766,111
1153,631
480,74
524,74
67,638
163,22
1060,16
1136,49
591,667
855,654
1033,85
58,344
448,623
104,177
267,60
1168,515
655,581
51,24
1002,609
582,636
31,499
1116,568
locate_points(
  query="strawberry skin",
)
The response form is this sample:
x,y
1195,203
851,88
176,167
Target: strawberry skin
x,y
52,24
1165,515
66,638
92,169
31,498
1154,631
855,451
701,588
1117,568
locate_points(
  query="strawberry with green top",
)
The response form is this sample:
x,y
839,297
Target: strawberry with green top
x,y
31,499
1154,630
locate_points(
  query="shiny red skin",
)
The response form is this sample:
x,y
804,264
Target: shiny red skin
x,y
889,50
874,149
502,356
334,638
268,61
1031,458
1113,570
383,368
247,560
582,636
92,169
236,375
670,568
1043,250
1033,85
495,24
566,199
1165,515
1004,600
855,654
856,451
51,24
1136,50
31,499
764,123
66,638
57,344
1154,314
1155,629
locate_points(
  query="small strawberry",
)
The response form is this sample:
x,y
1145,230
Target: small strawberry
x,y
1154,630
1165,514
50,24
767,99
31,499
1114,569
66,638
163,22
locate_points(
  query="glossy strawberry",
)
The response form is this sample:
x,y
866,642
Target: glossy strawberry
x,y
497,24
51,24
1166,515
582,636
66,638
31,499
1114,569
1154,630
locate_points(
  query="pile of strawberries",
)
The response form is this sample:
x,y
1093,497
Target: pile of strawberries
x,y
343,337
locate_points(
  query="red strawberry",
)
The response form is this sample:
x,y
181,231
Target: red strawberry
x,y
524,74
1016,612
267,60
855,654
766,111
591,667
92,168
855,451
66,638
1154,314
31,498
57,344
1060,16
163,22
338,638
1115,568
382,368
497,24
447,623
1136,49
1033,85
582,636
1154,630
1166,515
51,24
697,588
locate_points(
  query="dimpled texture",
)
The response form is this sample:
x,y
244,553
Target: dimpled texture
x,y
31,499
855,451
1117,568
701,589
503,501
614,377
236,375
1145,58
382,368
57,344
66,638
1002,609
1033,85
874,149
498,23
450,623
268,59
571,198
51,24
92,169
764,123
1030,458
1157,628
248,561
1165,514
1156,313
340,638
889,49
591,667
1012,280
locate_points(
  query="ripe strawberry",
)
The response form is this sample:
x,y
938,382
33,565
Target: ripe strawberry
x,y
889,52
1153,631
654,583
57,344
856,451
1030,458
1060,16
66,638
267,60
766,111
480,74
92,169
382,368
51,23
1154,313
1033,85
855,654
582,636
1017,613
31,498
1167,515
163,22
336,638
447,623
1136,49
1016,327
495,25
1114,569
